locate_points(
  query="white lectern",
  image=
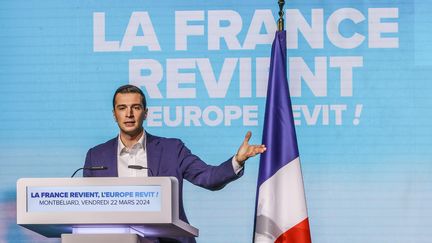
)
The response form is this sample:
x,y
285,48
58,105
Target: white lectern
x,y
104,209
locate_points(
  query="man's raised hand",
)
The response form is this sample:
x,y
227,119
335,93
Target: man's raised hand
x,y
247,150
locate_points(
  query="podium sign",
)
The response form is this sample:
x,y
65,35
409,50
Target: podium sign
x,y
53,206
94,199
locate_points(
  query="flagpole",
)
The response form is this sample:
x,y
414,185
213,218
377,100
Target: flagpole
x,y
281,25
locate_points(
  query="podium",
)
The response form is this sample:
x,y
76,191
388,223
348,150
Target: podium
x,y
103,209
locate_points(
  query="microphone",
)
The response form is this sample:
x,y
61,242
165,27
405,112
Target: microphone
x,y
139,167
90,168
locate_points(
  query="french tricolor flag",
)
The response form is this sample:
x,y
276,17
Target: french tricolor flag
x,y
281,213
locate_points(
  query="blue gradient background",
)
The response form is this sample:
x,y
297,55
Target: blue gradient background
x,y
365,183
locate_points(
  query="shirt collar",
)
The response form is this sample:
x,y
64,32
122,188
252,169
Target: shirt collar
x,y
121,148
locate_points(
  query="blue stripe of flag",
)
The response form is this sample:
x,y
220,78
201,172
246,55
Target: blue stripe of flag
x,y
279,133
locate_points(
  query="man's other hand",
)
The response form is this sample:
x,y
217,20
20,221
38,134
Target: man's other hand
x,y
247,150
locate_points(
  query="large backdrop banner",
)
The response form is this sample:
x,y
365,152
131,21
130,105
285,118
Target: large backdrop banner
x,y
358,73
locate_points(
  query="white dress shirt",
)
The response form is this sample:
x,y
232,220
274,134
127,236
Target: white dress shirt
x,y
137,155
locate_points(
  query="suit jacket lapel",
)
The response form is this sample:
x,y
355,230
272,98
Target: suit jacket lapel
x,y
154,151
112,155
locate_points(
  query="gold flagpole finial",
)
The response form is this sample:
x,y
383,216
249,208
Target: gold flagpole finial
x,y
281,24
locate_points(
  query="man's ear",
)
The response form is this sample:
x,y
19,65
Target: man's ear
x,y
145,114
114,116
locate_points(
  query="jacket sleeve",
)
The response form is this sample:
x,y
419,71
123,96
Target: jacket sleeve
x,y
88,163
201,174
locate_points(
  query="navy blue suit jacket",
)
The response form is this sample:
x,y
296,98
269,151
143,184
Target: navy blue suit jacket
x,y
165,157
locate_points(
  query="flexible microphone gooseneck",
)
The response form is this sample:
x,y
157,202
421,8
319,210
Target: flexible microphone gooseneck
x,y
139,167
90,168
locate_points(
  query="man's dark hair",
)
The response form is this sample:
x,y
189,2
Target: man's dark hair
x,y
128,88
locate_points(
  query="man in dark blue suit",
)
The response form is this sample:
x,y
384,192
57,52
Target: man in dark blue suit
x,y
163,156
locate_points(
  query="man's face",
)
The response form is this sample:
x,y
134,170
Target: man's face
x,y
129,113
